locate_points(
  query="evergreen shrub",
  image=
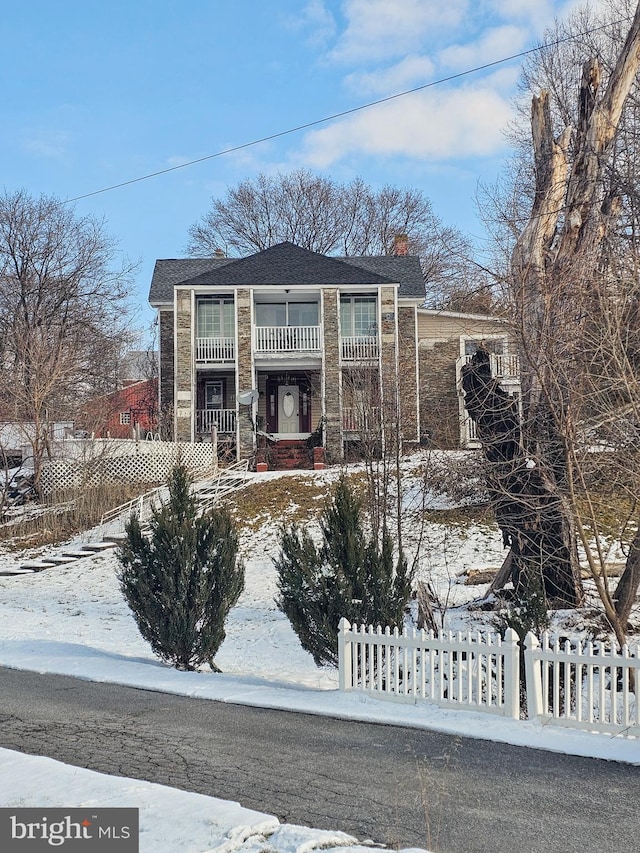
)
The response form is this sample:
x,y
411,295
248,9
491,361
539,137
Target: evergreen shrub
x,y
347,575
182,578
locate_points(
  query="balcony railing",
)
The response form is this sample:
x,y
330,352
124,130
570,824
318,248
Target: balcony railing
x,y
210,350
502,366
223,419
361,420
360,348
280,339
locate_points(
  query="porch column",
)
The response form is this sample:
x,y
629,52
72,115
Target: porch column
x,y
184,367
332,374
244,371
167,375
389,366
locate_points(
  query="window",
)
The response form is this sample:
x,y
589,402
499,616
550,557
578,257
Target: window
x,y
358,316
214,395
125,418
287,314
215,317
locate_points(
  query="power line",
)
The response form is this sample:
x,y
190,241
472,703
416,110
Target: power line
x,y
344,113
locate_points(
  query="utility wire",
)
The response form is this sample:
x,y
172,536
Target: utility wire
x,y
344,113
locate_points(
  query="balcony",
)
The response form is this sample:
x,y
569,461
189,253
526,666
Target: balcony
x,y
275,340
361,348
223,419
505,368
215,350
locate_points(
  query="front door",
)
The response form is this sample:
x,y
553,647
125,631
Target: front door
x,y
288,408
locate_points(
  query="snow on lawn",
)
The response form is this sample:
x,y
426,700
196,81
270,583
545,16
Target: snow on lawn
x,y
73,620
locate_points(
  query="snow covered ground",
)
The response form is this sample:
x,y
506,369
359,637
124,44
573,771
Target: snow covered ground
x,y
72,620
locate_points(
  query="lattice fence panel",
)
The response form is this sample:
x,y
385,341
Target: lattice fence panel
x,y
141,462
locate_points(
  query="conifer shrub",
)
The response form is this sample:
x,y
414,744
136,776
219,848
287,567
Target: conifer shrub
x,y
182,578
348,575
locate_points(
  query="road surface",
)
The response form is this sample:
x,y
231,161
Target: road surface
x,y
400,787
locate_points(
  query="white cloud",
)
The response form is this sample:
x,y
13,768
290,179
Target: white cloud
x,y
379,29
413,70
530,10
434,125
316,21
494,44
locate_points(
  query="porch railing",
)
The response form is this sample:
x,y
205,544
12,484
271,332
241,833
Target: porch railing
x,y
502,366
215,349
223,419
360,420
278,339
360,348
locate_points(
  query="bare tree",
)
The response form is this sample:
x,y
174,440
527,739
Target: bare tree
x,y
325,216
62,312
575,293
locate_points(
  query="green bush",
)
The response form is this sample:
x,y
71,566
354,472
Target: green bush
x,y
347,575
181,579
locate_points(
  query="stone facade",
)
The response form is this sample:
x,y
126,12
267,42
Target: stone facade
x,y
167,373
408,374
332,374
246,374
184,367
439,406
390,391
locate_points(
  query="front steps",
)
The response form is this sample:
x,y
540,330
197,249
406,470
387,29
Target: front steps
x,y
63,558
289,455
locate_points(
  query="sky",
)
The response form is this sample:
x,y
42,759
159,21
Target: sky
x,y
97,94
72,620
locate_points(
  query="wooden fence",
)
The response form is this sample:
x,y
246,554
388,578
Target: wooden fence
x,y
584,685
478,671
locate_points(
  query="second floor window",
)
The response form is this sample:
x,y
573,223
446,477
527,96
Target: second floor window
x,y
215,318
287,314
358,316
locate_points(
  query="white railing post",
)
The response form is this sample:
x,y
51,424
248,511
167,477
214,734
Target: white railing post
x,y
533,677
511,673
345,673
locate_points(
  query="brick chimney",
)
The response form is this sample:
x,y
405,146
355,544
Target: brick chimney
x,y
401,244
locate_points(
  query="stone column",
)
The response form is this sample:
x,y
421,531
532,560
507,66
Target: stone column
x,y
440,406
389,365
184,366
332,374
167,374
408,373
245,375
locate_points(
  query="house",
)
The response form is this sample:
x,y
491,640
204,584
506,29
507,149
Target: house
x,y
287,348
128,411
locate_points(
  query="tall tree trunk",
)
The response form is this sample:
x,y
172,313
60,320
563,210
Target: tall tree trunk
x,y
555,256
627,589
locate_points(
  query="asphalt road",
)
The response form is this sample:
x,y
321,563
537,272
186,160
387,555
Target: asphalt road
x,y
396,786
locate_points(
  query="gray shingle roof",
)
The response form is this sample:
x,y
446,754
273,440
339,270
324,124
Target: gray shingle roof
x,y
288,265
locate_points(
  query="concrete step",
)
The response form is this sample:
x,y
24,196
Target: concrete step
x,y
97,547
37,565
7,573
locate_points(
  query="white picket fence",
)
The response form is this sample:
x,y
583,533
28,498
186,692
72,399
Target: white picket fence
x,y
583,685
479,671
590,686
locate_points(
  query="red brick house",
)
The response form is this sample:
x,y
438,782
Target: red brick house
x,y
129,411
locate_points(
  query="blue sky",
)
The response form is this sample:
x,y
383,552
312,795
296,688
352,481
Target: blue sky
x,y
94,94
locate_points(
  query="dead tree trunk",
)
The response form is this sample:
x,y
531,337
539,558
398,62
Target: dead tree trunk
x,y
553,261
